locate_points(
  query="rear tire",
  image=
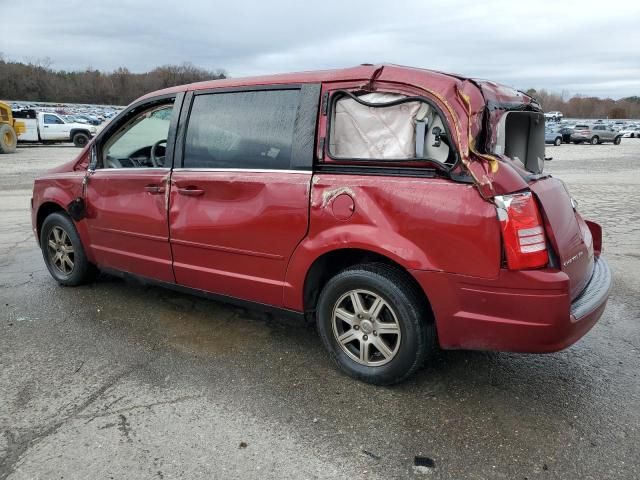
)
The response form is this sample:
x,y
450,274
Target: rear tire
x,y
63,252
80,139
360,302
595,140
8,139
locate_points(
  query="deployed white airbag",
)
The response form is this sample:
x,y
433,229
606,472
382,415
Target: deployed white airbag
x,y
386,132
360,131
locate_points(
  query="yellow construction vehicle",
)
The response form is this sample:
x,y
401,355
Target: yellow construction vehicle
x,y
10,129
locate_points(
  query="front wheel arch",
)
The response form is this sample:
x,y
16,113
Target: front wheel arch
x,y
44,211
76,269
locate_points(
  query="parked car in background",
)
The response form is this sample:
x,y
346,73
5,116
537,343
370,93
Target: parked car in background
x,y
340,197
630,132
555,116
89,119
553,135
73,119
595,134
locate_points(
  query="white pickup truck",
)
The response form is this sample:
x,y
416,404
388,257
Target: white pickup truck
x,y
50,127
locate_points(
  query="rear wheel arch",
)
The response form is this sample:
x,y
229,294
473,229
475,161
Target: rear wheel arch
x,y
330,263
388,356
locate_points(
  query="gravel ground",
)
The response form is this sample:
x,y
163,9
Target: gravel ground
x,y
118,380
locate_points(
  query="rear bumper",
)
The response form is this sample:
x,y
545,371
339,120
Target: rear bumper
x,y
520,311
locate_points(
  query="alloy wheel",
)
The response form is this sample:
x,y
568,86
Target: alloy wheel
x,y
60,250
366,328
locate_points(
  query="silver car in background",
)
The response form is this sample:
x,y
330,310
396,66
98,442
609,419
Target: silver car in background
x,y
595,134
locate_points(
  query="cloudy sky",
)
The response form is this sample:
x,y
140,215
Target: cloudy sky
x,y
588,47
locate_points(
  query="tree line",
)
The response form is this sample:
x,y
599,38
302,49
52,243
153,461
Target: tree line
x,y
38,82
579,106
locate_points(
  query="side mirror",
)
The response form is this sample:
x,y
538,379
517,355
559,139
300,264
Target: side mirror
x,y
93,159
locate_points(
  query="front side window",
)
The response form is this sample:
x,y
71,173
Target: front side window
x,y
385,126
52,120
141,141
251,130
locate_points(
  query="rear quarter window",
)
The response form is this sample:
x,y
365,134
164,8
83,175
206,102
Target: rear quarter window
x,y
241,130
387,126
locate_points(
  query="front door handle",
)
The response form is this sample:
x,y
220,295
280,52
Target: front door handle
x,y
154,189
190,191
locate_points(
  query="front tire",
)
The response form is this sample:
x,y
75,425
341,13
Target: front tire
x,y
375,323
80,139
617,140
558,142
594,140
63,252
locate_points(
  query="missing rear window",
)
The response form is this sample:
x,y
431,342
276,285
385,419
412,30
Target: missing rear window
x,y
387,127
521,137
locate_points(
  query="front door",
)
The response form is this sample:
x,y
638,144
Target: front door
x,y
240,199
54,128
126,196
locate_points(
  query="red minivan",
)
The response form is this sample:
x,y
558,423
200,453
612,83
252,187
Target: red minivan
x,y
398,208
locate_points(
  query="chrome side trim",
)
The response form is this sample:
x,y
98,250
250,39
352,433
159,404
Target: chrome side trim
x,y
165,169
244,170
133,169
220,248
144,236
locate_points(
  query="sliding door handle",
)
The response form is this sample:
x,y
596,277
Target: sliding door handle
x,y
154,189
190,191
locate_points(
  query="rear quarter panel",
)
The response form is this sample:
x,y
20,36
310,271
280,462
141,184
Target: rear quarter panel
x,y
420,223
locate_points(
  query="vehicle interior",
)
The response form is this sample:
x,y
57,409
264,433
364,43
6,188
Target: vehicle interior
x,y
141,141
521,138
387,126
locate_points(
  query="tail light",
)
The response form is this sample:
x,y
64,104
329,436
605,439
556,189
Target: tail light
x,y
523,236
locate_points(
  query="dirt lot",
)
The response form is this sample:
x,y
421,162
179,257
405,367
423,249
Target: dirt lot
x,y
116,380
